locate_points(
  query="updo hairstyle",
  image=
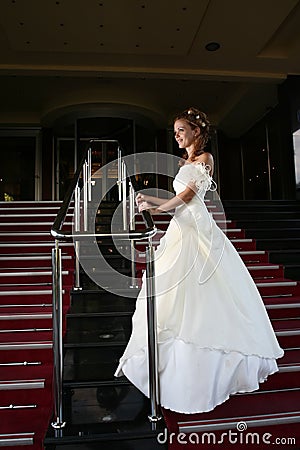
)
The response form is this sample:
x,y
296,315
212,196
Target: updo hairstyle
x,y
196,118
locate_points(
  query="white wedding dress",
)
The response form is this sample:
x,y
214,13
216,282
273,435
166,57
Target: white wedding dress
x,y
214,335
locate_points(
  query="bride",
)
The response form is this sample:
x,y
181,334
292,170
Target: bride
x,y
214,336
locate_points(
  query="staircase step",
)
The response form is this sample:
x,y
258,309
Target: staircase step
x,y
292,271
278,404
271,224
258,205
21,352
33,227
25,261
23,236
30,203
92,362
283,256
272,233
253,256
15,321
266,271
25,335
29,217
38,418
33,345
282,307
29,295
35,247
287,324
288,337
278,286
235,233
109,436
262,214
98,404
278,244
16,439
16,277
99,329
102,301
291,357
13,385
28,369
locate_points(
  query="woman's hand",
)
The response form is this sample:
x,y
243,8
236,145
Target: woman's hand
x,y
140,198
144,205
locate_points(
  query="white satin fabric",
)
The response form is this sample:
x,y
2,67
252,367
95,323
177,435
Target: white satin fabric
x,y
214,335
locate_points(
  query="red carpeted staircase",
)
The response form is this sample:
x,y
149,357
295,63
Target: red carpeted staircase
x,y
26,363
271,415
99,327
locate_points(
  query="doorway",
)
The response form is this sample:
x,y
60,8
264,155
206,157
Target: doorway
x,y
19,166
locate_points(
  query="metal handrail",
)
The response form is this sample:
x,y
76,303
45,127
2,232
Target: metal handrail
x,y
57,288
56,230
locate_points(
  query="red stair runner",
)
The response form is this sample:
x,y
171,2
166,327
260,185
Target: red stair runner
x,y
26,363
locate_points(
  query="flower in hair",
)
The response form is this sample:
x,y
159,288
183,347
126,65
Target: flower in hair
x,y
197,117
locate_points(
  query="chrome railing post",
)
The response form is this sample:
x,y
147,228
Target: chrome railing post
x,y
85,196
57,306
152,335
132,227
124,195
89,174
119,182
77,243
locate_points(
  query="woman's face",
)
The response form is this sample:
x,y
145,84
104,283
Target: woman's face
x,y
184,134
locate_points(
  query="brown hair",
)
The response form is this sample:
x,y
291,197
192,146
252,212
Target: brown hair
x,y
196,118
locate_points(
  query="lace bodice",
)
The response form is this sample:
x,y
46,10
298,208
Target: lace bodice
x,y
195,176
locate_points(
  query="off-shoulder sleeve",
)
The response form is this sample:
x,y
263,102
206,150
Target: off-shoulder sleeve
x,y
198,176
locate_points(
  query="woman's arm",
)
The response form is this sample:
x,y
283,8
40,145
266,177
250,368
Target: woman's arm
x,y
167,205
148,198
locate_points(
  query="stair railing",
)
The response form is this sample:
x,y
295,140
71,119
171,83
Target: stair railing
x,y
73,192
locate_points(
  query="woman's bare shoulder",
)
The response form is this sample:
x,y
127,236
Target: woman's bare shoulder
x,y
207,159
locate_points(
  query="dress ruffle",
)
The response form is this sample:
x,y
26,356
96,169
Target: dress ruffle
x,y
199,387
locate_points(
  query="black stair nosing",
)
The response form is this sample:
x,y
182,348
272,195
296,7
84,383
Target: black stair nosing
x,y
279,251
262,219
290,265
74,345
117,435
102,290
99,314
108,271
277,244
269,230
96,383
282,239
259,203
259,215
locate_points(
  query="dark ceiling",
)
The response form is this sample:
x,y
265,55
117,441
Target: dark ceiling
x,y
148,55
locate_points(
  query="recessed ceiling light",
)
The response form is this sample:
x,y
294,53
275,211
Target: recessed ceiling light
x,y
212,46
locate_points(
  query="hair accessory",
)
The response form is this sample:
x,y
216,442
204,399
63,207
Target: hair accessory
x,y
197,117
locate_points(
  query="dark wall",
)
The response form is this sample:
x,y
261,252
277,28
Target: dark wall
x,y
230,168
260,163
